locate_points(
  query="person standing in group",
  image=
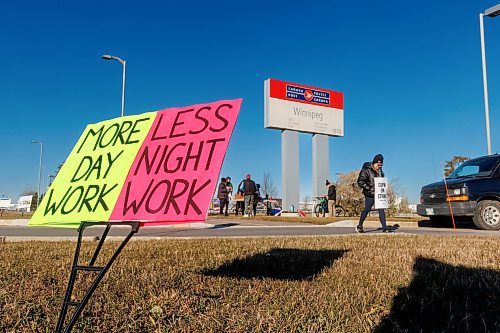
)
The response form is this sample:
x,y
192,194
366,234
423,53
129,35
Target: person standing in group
x,y
229,187
249,189
332,197
256,199
269,205
222,195
240,203
367,182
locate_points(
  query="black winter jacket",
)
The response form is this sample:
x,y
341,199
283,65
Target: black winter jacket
x,y
332,192
249,187
366,179
222,192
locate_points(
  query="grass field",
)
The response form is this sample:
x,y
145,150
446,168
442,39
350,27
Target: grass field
x,y
316,220
356,283
7,215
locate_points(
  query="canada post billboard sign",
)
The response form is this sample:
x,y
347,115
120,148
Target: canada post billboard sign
x,y
303,108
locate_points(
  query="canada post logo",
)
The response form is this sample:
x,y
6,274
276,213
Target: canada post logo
x,y
307,95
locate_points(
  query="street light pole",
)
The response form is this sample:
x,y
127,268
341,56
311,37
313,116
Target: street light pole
x,y
39,171
124,64
123,86
491,12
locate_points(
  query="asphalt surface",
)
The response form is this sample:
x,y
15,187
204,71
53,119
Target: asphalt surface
x,y
233,228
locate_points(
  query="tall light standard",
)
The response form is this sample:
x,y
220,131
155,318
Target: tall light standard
x,y
124,63
490,12
39,171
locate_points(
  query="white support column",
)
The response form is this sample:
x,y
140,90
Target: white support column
x,y
290,179
320,164
485,85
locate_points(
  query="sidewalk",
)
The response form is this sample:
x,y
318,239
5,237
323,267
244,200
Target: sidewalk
x,y
194,225
14,222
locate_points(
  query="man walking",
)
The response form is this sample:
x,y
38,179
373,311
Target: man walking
x,y
249,189
332,197
367,182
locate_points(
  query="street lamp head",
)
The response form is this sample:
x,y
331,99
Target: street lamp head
x,y
34,142
493,11
121,61
110,57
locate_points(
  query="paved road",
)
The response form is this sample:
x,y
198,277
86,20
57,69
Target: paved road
x,y
232,228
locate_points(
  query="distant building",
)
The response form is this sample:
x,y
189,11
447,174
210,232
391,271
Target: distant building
x,y
24,203
5,203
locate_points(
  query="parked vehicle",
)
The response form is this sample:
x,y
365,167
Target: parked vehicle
x,y
473,190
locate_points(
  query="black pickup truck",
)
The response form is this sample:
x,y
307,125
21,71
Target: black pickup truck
x,y
473,190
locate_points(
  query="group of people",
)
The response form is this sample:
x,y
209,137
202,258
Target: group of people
x,y
247,196
251,193
225,193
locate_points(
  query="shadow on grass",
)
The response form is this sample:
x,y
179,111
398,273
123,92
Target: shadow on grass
x,y
280,264
446,298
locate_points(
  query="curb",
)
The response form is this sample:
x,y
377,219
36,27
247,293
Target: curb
x,y
193,225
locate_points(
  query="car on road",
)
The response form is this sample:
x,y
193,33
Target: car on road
x,y
473,191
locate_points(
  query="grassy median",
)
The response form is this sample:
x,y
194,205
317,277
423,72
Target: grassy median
x,y
315,220
7,215
308,284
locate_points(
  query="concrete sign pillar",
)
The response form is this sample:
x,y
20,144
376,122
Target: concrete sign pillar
x,y
320,164
290,178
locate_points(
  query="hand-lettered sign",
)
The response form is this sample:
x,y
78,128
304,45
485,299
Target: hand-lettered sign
x,y
381,195
156,167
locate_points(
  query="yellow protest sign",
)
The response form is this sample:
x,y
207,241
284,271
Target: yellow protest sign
x,y
89,183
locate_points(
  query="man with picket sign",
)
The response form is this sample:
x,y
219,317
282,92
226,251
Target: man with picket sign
x,y
374,185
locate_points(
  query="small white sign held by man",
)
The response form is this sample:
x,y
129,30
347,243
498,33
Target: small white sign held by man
x,y
381,197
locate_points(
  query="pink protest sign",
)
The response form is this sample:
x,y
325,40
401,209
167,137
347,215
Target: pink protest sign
x,y
176,170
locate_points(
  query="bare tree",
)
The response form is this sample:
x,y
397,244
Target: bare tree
x,y
268,186
404,205
351,198
53,176
392,193
349,194
306,200
450,165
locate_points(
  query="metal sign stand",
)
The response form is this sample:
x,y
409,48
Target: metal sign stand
x,y
134,225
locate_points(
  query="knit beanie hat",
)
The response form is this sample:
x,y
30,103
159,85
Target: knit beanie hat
x,y
378,158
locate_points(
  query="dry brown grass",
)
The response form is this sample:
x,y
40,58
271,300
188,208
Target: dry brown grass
x,y
315,220
311,284
9,215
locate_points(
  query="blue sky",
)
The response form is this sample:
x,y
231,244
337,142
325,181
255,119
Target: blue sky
x,y
410,73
